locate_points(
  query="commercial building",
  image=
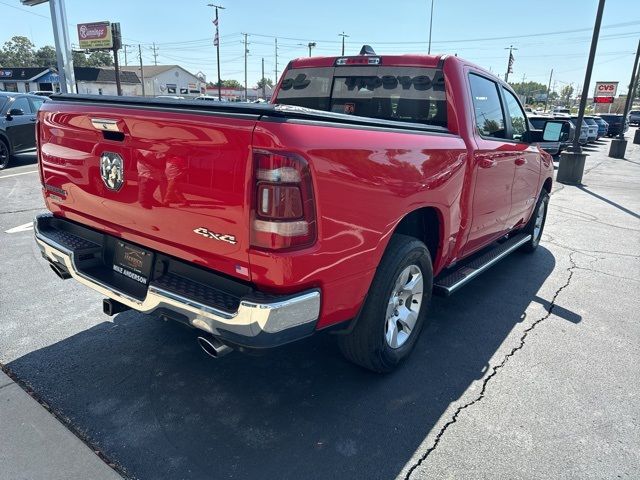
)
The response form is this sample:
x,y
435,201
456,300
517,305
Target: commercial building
x,y
236,95
90,80
102,81
167,80
28,79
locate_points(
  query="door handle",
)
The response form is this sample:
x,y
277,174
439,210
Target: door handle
x,y
487,163
520,161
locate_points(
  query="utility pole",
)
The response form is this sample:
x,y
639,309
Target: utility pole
x,y
509,62
125,47
117,43
311,45
155,54
430,28
343,35
546,100
141,69
246,51
276,60
216,42
264,89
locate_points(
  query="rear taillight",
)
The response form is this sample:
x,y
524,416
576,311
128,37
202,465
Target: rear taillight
x,y
283,211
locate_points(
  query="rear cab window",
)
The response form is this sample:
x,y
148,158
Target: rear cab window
x,y
403,94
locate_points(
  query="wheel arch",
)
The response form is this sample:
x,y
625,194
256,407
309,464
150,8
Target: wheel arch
x,y
546,186
425,224
4,138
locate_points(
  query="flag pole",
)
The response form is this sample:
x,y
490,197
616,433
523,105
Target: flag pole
x,y
511,48
216,42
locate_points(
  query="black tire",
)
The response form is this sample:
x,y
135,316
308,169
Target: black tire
x,y
5,154
367,345
530,228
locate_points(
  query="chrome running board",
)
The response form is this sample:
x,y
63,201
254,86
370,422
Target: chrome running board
x,y
451,280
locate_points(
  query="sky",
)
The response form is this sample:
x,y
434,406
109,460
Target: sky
x,y
548,34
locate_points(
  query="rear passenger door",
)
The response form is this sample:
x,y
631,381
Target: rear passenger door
x,y
493,164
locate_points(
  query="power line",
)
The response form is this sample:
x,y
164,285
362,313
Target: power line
x,y
26,11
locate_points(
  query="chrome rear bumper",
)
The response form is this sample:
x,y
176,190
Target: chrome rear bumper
x,y
260,320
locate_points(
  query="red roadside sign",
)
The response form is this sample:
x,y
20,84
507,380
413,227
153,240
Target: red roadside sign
x,y
93,36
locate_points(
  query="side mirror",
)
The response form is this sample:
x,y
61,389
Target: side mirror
x,y
14,112
552,131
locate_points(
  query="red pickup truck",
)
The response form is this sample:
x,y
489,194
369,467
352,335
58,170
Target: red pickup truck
x,y
367,184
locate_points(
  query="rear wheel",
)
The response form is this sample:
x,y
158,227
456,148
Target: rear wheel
x,y
536,223
4,154
395,310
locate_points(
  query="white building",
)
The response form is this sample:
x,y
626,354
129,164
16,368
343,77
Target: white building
x,y
102,81
168,80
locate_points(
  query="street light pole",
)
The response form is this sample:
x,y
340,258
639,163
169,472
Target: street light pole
x,y
217,44
311,45
619,145
64,55
430,28
630,93
587,77
571,166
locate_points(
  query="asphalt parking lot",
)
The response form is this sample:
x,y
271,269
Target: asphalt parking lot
x,y
531,371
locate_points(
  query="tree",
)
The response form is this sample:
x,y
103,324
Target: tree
x,y
265,81
18,52
228,84
97,58
566,93
529,90
46,57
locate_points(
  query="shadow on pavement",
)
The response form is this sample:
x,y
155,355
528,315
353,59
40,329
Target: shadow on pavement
x,y
22,159
610,202
143,392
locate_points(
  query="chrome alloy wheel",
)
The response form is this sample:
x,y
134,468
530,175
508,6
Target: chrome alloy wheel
x,y
537,226
404,306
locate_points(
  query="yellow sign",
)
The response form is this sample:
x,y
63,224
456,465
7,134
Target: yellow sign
x,y
95,36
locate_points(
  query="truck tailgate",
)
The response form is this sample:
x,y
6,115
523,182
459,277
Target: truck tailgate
x,y
161,177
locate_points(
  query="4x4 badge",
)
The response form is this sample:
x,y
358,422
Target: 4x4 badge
x,y
216,236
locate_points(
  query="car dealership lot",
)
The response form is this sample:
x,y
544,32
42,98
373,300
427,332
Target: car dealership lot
x,y
536,359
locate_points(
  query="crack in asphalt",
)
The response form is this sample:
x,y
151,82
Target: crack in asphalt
x,y
23,210
495,369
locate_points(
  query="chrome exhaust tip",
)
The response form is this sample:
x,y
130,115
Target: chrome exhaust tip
x,y
214,347
59,271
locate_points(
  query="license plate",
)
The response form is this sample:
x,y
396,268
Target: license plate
x,y
132,262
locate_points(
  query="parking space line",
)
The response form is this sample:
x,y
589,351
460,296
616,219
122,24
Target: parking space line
x,y
16,174
20,228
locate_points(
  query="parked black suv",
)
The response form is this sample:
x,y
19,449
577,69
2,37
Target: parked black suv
x,y
615,123
17,124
